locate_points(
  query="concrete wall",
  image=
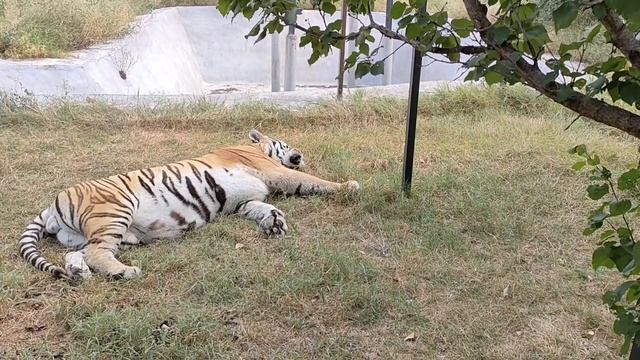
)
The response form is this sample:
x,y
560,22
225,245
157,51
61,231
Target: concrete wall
x,y
186,50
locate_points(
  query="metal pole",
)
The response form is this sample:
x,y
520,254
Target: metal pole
x,y
289,61
275,62
343,31
388,47
290,52
412,115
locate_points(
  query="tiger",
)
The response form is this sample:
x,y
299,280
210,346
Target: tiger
x,y
96,218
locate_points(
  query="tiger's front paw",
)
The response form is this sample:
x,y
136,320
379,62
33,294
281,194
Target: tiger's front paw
x,y
351,185
127,272
274,224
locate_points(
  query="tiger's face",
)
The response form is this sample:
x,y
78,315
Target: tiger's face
x,y
278,150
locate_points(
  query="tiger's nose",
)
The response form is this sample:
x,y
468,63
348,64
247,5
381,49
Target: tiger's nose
x,y
295,159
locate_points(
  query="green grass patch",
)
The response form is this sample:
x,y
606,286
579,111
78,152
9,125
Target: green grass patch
x,y
494,205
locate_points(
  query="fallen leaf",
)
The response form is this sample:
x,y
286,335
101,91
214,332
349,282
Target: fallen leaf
x,y
410,337
35,328
507,292
239,246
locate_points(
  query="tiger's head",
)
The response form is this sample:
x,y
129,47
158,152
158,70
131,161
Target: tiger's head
x,y
278,150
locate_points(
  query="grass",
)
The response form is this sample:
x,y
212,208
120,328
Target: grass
x,y
494,206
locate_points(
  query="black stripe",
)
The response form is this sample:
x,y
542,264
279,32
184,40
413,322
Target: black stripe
x,y
129,189
146,187
36,238
83,217
175,171
196,196
149,177
40,226
72,209
28,250
61,216
196,172
240,204
168,183
297,192
221,196
106,215
33,260
203,163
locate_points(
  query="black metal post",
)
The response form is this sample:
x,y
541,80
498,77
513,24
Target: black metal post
x,y
412,116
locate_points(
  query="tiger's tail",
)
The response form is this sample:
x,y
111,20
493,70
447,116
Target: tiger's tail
x,y
29,246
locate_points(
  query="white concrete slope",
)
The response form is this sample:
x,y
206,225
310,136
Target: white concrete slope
x,y
186,51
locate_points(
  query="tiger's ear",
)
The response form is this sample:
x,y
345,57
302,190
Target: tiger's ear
x,y
255,135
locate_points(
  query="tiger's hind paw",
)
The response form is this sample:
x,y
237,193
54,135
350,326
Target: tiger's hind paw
x,y
75,266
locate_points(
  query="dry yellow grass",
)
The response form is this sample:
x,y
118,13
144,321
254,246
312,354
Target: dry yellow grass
x,y
494,206
52,28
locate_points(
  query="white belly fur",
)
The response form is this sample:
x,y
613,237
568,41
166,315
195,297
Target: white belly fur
x,y
154,218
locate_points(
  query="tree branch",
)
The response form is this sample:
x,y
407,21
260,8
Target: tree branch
x,y
464,49
533,77
621,37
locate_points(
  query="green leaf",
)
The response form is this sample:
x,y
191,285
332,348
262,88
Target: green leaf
x,y
596,192
564,93
328,7
414,31
593,32
580,83
262,35
619,207
254,31
537,33
315,55
377,68
594,160
335,26
607,234
248,12
362,69
364,48
629,179
579,149
599,11
579,165
454,56
351,60
597,217
601,258
629,92
564,48
564,15
492,77
224,6
550,77
397,10
463,27
596,86
615,63
498,34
